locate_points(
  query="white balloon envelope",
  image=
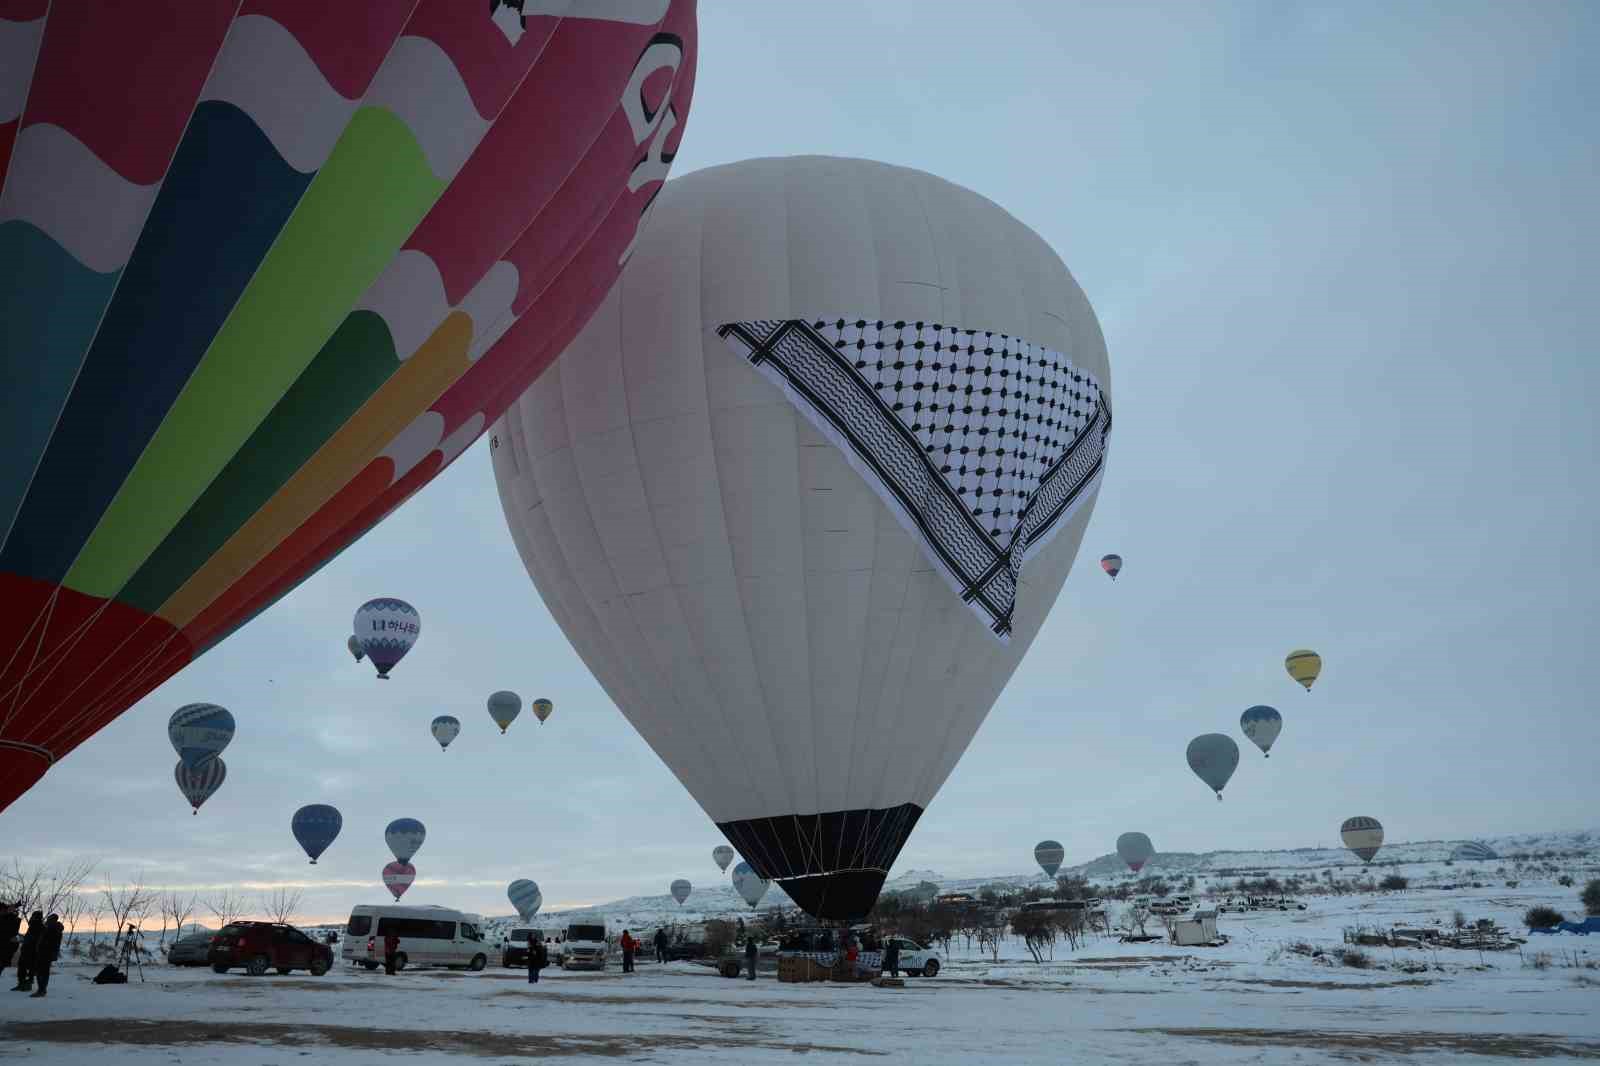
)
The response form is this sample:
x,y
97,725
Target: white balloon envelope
x,y
750,885
803,490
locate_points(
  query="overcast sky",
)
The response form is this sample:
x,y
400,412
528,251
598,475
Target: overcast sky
x,y
1344,259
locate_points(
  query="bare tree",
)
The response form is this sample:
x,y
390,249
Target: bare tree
x,y
50,889
176,909
1038,933
127,904
282,904
1134,916
226,906
1072,924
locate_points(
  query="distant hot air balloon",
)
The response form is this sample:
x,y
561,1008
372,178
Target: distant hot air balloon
x,y
504,708
316,826
199,731
722,855
387,629
284,262
353,642
525,897
1262,725
1362,835
680,890
1112,565
445,728
1213,757
1048,854
544,709
397,877
1135,849
404,836
197,783
1303,665
765,371
750,885
1473,851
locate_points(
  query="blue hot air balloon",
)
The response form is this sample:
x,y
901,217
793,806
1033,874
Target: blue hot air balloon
x,y
199,731
315,826
1262,725
525,897
404,836
1213,757
445,728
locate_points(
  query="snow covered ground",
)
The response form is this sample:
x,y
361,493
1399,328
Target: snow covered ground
x,y
1253,1000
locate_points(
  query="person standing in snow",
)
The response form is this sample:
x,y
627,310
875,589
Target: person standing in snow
x,y
891,957
538,958
391,949
751,954
661,945
49,951
10,923
28,952
629,945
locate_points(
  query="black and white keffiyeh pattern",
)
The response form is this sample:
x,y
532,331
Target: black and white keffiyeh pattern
x,y
982,444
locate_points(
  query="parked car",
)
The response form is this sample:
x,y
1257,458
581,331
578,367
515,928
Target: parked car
x,y
191,950
916,959
260,946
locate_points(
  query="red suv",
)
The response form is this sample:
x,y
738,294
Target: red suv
x,y
259,946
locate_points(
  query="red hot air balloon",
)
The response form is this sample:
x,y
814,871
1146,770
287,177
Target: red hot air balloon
x,y
286,260
1112,565
397,877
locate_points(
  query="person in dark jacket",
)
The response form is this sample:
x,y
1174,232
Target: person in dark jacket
x,y
751,954
10,925
49,951
891,957
29,950
538,958
661,945
391,948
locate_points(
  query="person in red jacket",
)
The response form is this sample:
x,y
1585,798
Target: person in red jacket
x,y
391,948
629,946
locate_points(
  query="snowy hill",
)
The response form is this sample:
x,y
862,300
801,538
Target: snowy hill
x,y
718,900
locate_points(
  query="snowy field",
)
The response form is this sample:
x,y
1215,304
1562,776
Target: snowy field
x,y
1253,1000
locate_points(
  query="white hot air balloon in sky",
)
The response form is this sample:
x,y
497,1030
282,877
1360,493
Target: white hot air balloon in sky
x,y
722,855
803,490
680,890
750,885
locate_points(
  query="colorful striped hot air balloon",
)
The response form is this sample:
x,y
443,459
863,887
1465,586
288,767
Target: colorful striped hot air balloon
x,y
1362,835
269,267
1112,565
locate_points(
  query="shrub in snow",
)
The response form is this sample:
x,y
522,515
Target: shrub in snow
x,y
1591,897
1394,882
1542,918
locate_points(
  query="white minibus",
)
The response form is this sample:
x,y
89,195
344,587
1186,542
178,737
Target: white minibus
x,y
429,936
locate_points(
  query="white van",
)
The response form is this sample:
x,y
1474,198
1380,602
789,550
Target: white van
x,y
429,936
585,946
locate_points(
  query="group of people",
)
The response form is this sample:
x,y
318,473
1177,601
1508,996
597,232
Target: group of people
x,y
39,947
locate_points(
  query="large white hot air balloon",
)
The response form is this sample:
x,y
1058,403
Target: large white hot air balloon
x,y
780,490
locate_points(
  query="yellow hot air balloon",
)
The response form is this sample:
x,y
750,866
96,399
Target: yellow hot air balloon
x,y
1303,665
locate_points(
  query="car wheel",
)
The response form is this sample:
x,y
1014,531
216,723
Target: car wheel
x,y
319,967
257,966
932,969
478,963
370,965
400,962
217,967
285,970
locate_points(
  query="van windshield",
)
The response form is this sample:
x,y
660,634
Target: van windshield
x,y
520,936
586,932
360,925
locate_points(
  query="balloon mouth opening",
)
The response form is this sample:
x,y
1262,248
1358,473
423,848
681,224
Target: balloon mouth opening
x,y
313,862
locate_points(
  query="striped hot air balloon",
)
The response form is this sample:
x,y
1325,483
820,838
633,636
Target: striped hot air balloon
x,y
1473,851
525,897
200,782
1112,565
397,877
1048,854
1304,665
1362,835
268,268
